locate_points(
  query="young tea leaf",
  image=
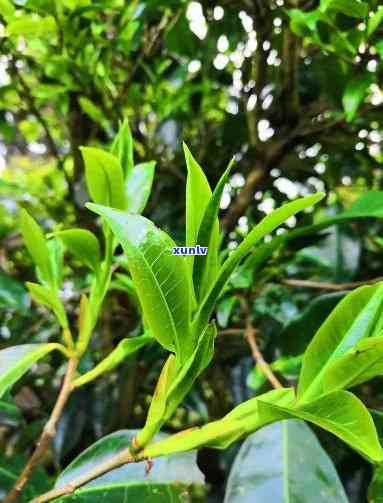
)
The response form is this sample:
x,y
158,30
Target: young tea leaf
x,y
340,413
44,295
138,185
160,278
104,177
37,246
122,148
267,225
353,319
84,245
205,268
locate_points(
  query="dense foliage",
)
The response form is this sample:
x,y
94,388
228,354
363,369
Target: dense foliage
x,y
111,345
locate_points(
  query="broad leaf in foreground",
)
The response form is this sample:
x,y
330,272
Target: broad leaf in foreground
x,y
283,463
170,478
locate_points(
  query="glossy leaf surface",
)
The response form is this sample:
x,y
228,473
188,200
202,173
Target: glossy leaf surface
x,y
360,364
267,225
340,413
353,319
138,185
198,194
160,278
284,463
104,177
205,267
16,360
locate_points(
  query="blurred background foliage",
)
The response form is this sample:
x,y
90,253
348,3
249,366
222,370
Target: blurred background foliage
x,y
291,88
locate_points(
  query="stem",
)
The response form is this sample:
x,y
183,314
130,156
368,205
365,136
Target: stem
x,y
335,287
250,335
124,457
47,433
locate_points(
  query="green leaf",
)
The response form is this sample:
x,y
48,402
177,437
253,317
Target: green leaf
x,y
267,225
353,8
93,111
56,256
13,295
122,148
355,93
10,414
358,365
84,245
44,295
125,348
7,9
174,384
205,267
37,246
11,468
375,491
160,278
375,20
29,26
353,319
16,360
104,177
138,185
198,195
167,476
242,420
340,413
288,449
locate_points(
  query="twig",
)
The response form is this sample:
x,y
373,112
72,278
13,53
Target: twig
x,y
335,287
47,434
124,457
250,335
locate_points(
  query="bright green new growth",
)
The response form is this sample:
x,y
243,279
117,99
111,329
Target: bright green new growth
x,y
177,297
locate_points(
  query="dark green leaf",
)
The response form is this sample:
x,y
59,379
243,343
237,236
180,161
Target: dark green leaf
x,y
355,93
12,294
294,468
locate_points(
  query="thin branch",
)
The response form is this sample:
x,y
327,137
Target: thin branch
x,y
47,434
250,335
322,285
122,458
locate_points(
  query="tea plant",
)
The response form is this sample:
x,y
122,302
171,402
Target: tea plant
x,y
176,297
